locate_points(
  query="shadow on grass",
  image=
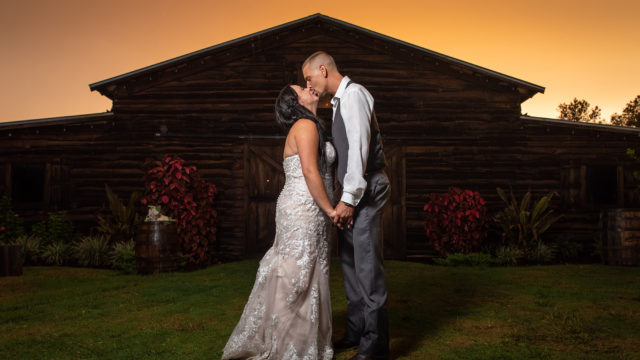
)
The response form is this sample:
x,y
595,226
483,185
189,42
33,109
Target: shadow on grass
x,y
422,300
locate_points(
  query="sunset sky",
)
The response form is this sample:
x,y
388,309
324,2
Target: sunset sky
x,y
52,49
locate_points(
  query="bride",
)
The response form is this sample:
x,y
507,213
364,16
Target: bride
x,y
288,314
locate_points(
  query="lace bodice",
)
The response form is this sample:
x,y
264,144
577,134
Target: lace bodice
x,y
293,167
288,314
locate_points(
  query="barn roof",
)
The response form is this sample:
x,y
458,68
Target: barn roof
x,y
270,38
60,120
580,124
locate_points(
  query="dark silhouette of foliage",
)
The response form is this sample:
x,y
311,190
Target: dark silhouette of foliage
x,y
630,115
579,110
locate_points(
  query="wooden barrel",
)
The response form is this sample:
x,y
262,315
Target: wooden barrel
x,y
621,240
11,260
157,247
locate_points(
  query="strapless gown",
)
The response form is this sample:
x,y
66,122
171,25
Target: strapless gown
x,y
288,314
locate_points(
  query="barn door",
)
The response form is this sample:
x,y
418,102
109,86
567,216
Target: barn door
x,y
394,222
264,179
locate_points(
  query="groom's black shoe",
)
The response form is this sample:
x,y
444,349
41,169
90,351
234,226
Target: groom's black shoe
x,y
344,344
360,357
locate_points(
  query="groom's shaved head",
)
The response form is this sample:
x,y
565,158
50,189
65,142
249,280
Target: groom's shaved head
x,y
320,58
321,73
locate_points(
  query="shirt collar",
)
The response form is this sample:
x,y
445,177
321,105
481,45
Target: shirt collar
x,y
340,91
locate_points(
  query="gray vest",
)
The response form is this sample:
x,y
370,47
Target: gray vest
x,y
375,161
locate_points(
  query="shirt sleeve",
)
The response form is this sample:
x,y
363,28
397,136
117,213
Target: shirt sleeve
x,y
356,106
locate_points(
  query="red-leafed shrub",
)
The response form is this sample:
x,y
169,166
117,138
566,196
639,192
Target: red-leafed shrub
x,y
186,197
456,221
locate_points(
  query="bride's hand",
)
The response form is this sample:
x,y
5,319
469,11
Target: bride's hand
x,y
333,215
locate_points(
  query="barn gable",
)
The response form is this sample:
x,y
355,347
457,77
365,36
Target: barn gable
x,y
305,30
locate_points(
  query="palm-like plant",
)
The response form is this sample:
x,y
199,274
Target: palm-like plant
x,y
523,223
121,224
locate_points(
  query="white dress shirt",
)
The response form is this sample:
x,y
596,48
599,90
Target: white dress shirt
x,y
356,106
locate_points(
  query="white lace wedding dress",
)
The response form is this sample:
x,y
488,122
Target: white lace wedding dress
x,y
288,314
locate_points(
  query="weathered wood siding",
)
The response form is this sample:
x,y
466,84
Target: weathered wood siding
x,y
113,152
442,126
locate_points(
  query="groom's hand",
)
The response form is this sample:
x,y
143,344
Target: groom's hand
x,y
345,215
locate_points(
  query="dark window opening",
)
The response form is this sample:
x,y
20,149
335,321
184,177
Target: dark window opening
x,y
27,183
602,185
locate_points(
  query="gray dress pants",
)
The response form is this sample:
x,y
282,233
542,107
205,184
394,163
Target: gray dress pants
x,y
363,271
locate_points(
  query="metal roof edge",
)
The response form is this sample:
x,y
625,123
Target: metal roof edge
x,y
53,120
605,127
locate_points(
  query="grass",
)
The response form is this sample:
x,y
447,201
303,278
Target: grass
x,y
539,312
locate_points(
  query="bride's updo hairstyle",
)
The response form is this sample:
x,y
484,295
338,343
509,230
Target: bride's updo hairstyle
x,y
288,110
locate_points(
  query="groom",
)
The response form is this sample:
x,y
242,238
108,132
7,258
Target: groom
x,y
365,191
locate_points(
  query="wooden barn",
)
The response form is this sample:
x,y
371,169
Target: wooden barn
x,y
445,122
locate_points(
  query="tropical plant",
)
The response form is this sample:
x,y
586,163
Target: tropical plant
x,y
522,223
186,197
10,223
56,253
543,253
56,228
120,225
508,255
456,221
31,248
92,251
123,257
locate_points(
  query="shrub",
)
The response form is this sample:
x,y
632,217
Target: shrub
x,y
543,254
56,253
508,255
11,226
456,222
57,228
92,251
471,259
188,199
522,223
123,257
121,224
31,248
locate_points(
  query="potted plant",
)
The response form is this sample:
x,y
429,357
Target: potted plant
x,y
179,193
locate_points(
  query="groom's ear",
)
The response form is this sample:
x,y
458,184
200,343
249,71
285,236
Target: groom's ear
x,y
323,70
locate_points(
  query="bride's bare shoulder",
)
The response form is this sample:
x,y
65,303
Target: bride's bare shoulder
x,y
303,127
303,124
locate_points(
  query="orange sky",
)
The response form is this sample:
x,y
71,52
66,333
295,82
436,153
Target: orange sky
x,y
52,49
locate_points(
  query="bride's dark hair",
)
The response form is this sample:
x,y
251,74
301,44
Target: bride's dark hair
x,y
288,110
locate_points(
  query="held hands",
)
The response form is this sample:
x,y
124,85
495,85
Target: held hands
x,y
333,215
344,215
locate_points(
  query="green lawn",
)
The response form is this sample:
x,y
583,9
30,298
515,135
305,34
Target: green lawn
x,y
539,312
